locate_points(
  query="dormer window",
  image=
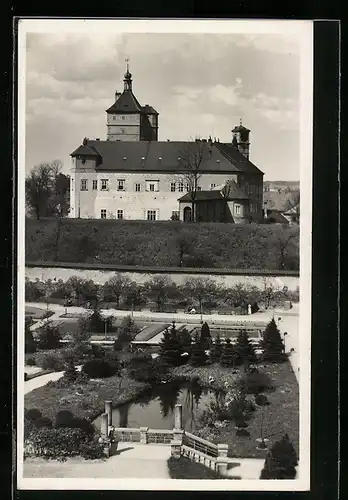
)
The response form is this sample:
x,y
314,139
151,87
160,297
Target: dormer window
x,y
160,158
83,161
125,157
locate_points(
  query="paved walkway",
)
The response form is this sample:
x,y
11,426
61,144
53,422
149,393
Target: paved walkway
x,y
30,385
133,460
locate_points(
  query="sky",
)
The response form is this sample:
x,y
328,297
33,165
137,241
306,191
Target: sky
x,y
200,84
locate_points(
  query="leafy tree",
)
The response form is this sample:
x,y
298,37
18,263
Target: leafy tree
x,y
216,350
134,295
83,332
281,461
71,373
205,336
229,356
170,347
117,286
200,289
271,343
83,289
185,340
38,189
160,289
30,344
127,331
47,190
96,323
198,355
49,336
245,349
282,240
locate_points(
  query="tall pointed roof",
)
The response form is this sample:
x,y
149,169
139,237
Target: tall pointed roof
x,y
126,103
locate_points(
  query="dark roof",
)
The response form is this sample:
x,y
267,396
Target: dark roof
x,y
149,110
234,192
240,128
276,216
126,103
232,153
202,196
84,151
164,156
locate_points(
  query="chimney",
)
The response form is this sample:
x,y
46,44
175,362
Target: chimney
x,y
97,138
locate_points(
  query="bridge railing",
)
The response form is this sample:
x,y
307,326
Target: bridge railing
x,y
127,434
201,445
159,436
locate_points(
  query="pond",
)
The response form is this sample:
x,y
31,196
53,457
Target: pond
x,y
156,408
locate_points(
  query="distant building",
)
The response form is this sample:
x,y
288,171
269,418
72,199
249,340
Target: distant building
x,y
131,175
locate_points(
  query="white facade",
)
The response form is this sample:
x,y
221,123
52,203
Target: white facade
x,y
130,195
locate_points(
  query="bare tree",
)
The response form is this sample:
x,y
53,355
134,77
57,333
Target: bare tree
x,y
200,289
191,158
293,205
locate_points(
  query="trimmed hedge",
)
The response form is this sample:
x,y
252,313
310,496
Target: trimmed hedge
x,y
61,443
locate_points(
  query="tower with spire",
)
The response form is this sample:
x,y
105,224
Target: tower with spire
x,y
240,139
127,119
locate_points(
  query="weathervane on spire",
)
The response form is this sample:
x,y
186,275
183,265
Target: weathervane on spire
x,y
240,122
127,61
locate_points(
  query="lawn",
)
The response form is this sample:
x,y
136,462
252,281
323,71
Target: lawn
x,y
83,400
280,417
37,313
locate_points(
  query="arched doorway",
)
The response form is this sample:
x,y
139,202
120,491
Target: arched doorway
x,y
187,214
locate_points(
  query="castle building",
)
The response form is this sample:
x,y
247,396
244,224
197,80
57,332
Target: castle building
x,y
131,175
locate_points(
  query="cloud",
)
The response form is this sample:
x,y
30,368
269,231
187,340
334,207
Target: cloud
x,y
200,85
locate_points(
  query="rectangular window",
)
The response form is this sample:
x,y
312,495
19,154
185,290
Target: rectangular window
x,y
113,117
120,184
151,215
122,130
94,185
84,185
181,187
103,213
175,215
137,187
237,209
120,214
152,186
172,187
104,185
187,187
199,188
212,185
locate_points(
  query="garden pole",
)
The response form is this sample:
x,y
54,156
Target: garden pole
x,y
105,328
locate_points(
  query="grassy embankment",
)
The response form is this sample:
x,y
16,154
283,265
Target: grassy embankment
x,y
164,244
84,400
280,417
